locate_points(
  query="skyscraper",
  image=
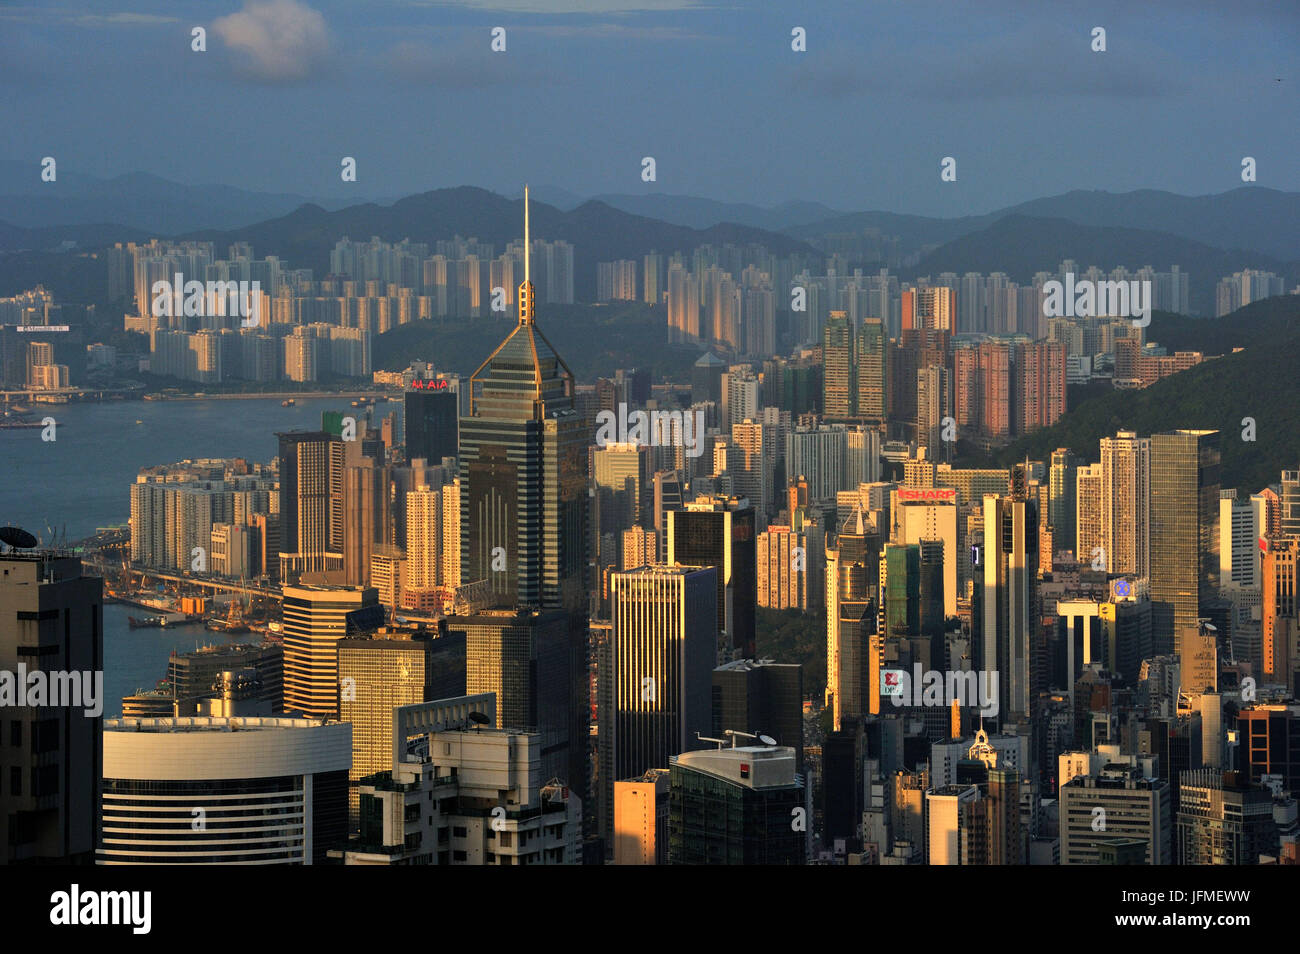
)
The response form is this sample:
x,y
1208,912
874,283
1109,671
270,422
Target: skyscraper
x,y
734,807
720,532
51,619
431,422
534,663
315,619
523,482
660,664
1125,495
839,381
1062,508
1184,548
1010,596
311,503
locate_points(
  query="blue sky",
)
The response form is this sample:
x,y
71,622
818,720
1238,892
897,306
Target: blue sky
x,y
713,91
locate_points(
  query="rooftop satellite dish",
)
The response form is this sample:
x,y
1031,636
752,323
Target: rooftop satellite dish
x,y
767,740
17,538
479,718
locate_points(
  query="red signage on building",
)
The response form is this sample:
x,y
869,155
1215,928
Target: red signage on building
x,y
422,385
933,495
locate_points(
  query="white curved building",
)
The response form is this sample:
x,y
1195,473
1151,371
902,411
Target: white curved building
x,y
231,791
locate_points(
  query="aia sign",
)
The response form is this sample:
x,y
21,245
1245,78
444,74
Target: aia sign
x,y
421,385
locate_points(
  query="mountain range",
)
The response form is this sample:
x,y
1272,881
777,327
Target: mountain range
x,y
1207,236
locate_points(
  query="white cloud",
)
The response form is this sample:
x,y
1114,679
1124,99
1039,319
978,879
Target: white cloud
x,y
276,41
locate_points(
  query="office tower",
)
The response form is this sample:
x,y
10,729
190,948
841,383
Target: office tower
x,y
51,635
852,592
720,532
386,569
621,473
1135,808
254,791
1062,507
431,423
311,503
1125,501
929,309
901,585
1223,819
931,597
367,520
1184,548
752,471
534,664
872,386
706,379
193,676
1010,596
1091,506
1270,743
931,515
1242,524
765,696
315,619
661,655
1198,660
378,673
641,819
734,806
943,822
522,478
462,793
791,567
1280,612
839,379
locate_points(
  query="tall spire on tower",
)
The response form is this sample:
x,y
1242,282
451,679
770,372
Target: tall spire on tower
x,y
526,288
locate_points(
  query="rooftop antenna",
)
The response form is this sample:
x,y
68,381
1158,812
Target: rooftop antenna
x,y
526,289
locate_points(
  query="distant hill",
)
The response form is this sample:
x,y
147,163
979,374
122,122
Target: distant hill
x,y
1258,382
137,200
1020,246
593,340
597,231
1253,218
697,213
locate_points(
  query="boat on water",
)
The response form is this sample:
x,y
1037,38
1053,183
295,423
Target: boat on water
x,y
147,622
289,403
219,625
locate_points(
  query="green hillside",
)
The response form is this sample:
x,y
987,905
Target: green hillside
x,y
593,340
1259,382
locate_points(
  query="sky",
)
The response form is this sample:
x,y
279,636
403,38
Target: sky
x,y
714,92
